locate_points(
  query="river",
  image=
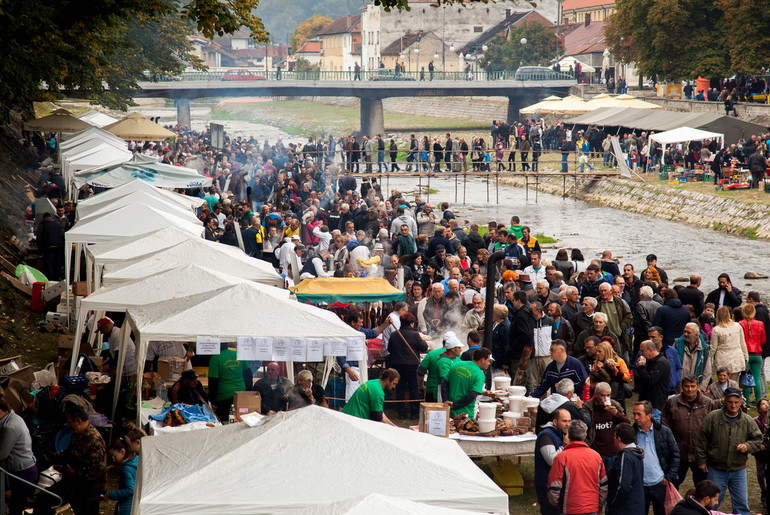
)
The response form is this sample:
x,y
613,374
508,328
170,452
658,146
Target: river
x,y
681,249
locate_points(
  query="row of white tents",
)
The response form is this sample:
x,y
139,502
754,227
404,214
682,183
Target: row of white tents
x,y
576,105
144,252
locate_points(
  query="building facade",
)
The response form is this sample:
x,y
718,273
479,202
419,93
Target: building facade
x,y
340,44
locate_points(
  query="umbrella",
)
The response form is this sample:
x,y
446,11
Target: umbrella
x,y
542,106
60,120
136,126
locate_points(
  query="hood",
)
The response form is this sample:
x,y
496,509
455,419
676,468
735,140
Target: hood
x,y
635,450
674,303
553,401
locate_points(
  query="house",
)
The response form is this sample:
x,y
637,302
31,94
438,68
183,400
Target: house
x,y
416,50
340,44
310,51
586,11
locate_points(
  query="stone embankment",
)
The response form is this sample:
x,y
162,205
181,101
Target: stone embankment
x,y
748,219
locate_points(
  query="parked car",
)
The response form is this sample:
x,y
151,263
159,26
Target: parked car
x,y
387,74
242,75
540,73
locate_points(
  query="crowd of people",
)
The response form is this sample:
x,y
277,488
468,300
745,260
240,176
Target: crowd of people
x,y
581,334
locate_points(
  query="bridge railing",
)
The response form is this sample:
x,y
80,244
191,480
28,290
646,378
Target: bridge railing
x,y
384,75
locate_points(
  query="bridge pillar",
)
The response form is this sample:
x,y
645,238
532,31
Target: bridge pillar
x,y
183,116
516,103
372,118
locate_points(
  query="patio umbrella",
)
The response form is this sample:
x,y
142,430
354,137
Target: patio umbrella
x,y
60,120
136,126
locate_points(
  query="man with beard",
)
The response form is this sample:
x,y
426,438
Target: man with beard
x,y
368,401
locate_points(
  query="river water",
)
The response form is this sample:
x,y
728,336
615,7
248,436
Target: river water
x,y
681,249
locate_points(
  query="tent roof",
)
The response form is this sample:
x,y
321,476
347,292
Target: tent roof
x,y
138,185
379,503
215,256
59,120
662,120
684,134
243,309
96,118
567,61
346,289
90,134
146,169
624,101
176,283
139,245
126,222
89,156
157,201
194,471
136,126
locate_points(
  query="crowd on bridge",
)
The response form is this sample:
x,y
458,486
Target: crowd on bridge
x,y
581,334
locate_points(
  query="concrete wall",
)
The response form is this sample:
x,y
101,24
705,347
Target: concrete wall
x,y
729,215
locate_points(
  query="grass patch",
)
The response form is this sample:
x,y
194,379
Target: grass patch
x,y
751,233
432,191
545,239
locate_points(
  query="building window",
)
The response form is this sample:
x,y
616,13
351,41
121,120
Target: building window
x,y
478,28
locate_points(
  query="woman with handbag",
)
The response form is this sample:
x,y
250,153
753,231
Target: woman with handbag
x,y
728,346
754,334
405,346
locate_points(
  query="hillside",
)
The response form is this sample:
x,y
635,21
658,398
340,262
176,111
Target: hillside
x,y
281,22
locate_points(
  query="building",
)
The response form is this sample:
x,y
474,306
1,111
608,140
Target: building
x,y
416,50
586,42
340,44
586,11
455,25
310,51
238,51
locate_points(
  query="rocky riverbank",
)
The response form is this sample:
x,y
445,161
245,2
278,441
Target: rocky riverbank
x,y
748,219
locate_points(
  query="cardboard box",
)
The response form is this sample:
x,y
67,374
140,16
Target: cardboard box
x,y
434,419
80,288
13,398
246,402
170,368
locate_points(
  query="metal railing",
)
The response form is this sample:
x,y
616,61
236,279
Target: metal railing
x,y
4,473
375,76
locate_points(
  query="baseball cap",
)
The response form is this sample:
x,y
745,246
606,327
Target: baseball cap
x,y
651,257
104,321
296,237
733,392
451,341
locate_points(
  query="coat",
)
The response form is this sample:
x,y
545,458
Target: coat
x,y
626,481
717,441
684,420
672,316
728,348
653,381
579,472
522,332
125,494
666,449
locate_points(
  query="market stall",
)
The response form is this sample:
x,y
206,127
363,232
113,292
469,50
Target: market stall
x,y
141,197
200,471
346,289
144,168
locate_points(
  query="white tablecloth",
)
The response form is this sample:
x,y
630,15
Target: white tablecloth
x,y
480,446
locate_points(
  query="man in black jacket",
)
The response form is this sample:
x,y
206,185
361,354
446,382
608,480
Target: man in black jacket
x,y
654,375
725,294
692,295
522,332
705,498
757,165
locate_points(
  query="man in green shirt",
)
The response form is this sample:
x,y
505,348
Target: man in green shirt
x,y
226,376
429,365
368,401
451,355
515,227
465,382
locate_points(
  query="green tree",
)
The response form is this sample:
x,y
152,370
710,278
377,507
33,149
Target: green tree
x,y
671,39
541,47
303,65
307,29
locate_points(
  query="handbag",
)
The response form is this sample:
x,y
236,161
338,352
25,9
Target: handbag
x,y
746,379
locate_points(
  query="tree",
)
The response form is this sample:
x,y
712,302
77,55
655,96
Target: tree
x,y
541,47
307,29
303,65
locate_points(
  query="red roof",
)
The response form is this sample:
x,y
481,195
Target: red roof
x,y
310,47
571,5
585,39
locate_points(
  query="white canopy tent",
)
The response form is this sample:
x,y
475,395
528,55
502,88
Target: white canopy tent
x,y
215,256
97,119
243,310
90,155
568,61
179,282
379,503
158,201
145,168
215,471
135,186
92,134
683,135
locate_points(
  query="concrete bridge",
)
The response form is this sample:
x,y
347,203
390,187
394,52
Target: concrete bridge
x,y
519,93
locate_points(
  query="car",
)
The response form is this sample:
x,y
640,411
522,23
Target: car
x,y
242,75
540,73
387,74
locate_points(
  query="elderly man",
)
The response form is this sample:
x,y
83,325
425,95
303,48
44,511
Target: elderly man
x,y
618,317
694,355
577,482
661,456
684,414
571,307
560,399
314,267
644,314
474,318
550,442
561,366
434,309
272,388
725,440
544,294
399,309
653,373
584,318
604,414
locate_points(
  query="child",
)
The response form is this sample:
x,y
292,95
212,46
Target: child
x,y
122,454
584,161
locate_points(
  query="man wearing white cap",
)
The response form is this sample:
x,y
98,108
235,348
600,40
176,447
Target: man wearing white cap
x,y
450,357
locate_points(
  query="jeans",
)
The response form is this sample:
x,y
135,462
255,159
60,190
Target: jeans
x,y
381,161
655,495
736,483
564,157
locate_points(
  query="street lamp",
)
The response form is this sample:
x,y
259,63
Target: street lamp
x,y
523,42
484,48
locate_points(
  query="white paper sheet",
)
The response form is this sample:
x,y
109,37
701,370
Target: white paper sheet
x,y
281,350
207,346
355,350
298,350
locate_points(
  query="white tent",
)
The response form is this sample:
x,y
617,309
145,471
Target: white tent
x,y
94,154
379,503
566,62
97,119
144,168
305,461
90,134
683,135
176,283
215,256
137,186
157,201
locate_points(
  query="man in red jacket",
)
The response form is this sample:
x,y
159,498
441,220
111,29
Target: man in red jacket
x,y
577,482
